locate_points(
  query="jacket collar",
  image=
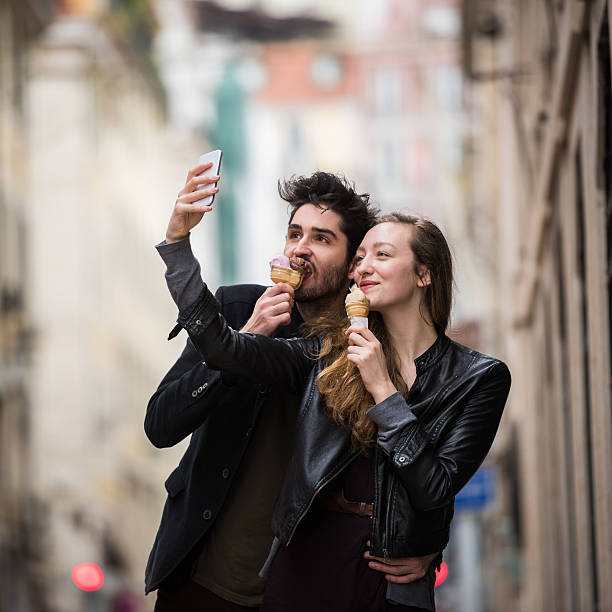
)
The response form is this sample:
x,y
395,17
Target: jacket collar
x,y
433,354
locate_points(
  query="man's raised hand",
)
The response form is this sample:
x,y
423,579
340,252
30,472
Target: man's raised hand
x,y
187,213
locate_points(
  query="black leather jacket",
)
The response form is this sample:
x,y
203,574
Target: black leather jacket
x,y
428,447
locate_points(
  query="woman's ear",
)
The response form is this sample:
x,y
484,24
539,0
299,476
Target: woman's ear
x,y
424,277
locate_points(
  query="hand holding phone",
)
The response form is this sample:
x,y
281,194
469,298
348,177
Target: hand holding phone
x,y
190,205
215,158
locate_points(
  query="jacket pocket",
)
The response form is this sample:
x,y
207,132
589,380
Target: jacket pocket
x,y
175,483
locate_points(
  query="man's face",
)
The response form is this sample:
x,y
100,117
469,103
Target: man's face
x,y
314,235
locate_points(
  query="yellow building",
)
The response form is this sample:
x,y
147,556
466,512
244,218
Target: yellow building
x,y
541,177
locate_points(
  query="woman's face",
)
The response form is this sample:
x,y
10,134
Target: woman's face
x,y
384,267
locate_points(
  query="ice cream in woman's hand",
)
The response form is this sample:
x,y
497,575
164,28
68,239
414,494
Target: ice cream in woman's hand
x,y
357,306
287,270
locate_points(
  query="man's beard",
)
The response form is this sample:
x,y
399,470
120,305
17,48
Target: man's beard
x,y
331,282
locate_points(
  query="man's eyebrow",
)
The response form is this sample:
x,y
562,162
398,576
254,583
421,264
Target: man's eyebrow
x,y
319,230
324,230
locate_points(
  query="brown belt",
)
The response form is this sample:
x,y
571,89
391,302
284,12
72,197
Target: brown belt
x,y
339,503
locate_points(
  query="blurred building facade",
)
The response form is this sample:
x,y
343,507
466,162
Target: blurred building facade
x,y
540,182
20,517
374,93
90,171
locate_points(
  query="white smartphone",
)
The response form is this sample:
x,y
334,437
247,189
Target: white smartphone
x,y
215,158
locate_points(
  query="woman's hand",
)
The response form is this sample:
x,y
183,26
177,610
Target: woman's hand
x,y
365,351
186,213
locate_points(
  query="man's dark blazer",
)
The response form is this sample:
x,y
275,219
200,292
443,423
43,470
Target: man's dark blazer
x,y
192,399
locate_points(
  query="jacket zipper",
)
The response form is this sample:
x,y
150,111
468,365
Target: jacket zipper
x,y
386,546
331,476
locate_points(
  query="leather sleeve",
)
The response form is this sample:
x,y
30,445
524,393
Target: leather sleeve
x,y
434,470
274,362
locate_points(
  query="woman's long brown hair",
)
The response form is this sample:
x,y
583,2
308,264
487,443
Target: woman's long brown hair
x,y
339,382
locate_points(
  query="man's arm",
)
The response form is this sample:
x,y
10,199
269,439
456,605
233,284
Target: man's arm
x,y
190,390
401,571
183,277
183,400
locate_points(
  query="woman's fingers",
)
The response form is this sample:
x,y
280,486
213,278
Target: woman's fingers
x,y
353,349
357,340
367,333
357,355
364,332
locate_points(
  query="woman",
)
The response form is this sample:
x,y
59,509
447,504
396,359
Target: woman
x,y
394,420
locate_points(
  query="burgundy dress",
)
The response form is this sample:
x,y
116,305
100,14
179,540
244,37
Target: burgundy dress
x,y
323,567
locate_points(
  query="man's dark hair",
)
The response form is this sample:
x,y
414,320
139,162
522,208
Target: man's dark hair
x,y
334,192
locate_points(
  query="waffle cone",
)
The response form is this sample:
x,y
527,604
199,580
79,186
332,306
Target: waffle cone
x,y
356,309
292,277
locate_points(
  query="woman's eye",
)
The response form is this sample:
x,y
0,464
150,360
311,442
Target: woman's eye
x,y
382,254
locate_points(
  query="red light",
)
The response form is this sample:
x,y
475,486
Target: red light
x,y
441,574
87,576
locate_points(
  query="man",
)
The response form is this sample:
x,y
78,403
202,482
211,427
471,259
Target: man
x,y
215,530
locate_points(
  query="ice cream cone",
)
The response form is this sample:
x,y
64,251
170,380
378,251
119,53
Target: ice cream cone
x,y
357,310
280,274
357,306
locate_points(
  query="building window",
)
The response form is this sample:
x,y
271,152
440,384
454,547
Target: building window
x,y
448,87
388,171
295,137
387,91
420,163
326,71
441,20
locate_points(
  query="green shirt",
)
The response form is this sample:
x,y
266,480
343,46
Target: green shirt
x,y
238,543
